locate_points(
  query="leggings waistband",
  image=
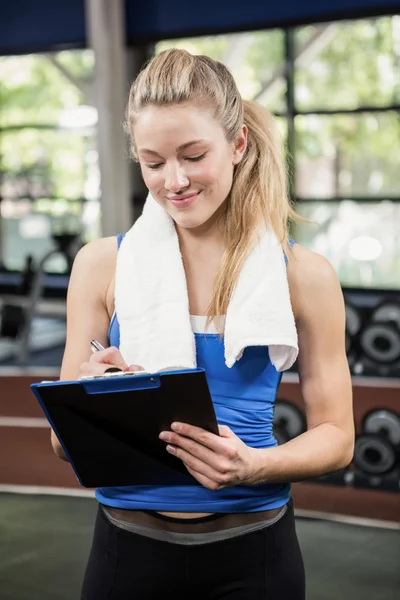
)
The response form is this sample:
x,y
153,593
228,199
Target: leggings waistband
x,y
190,534
207,524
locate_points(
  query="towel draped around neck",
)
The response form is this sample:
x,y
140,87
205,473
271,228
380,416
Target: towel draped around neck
x,y
152,305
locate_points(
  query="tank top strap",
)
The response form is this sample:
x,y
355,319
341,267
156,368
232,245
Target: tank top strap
x,y
120,237
291,244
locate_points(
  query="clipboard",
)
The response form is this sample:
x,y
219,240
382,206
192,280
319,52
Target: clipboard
x,y
108,427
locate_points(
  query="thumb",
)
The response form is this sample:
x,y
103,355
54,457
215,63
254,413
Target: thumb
x,y
134,368
226,432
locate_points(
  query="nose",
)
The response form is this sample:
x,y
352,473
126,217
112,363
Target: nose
x,y
175,179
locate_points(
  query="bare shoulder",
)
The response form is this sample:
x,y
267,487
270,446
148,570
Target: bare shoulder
x,y
312,280
101,252
93,270
96,260
309,268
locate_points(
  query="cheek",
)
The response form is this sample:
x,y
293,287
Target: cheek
x,y
205,174
152,179
215,172
224,176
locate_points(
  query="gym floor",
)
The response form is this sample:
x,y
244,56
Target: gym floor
x,y
45,541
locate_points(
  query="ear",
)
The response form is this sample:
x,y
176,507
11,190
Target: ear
x,y
240,145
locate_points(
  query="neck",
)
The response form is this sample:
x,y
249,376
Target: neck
x,y
210,233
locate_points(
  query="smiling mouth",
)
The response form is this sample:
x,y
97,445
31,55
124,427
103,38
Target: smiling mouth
x,y
184,201
184,196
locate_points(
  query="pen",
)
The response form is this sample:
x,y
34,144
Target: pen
x,y
96,346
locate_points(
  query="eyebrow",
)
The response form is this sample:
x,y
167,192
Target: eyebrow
x,y
179,148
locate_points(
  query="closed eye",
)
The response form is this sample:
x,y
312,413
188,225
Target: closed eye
x,y
196,158
188,158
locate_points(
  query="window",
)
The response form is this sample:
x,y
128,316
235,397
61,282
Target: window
x,y
341,122
348,65
363,249
49,176
347,155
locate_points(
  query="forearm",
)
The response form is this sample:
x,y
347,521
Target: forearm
x,y
323,449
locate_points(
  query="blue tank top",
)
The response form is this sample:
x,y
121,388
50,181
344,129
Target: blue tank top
x,y
243,398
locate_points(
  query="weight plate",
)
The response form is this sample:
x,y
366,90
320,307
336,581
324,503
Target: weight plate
x,y
385,423
387,313
353,320
373,454
381,342
289,418
281,435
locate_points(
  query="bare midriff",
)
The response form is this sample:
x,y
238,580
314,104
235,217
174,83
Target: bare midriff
x,y
183,515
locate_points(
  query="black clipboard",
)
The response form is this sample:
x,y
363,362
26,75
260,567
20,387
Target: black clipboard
x,y
108,427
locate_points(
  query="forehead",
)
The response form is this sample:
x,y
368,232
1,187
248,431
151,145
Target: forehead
x,y
156,125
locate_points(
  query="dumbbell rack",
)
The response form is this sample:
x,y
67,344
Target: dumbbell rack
x,y
27,428
370,486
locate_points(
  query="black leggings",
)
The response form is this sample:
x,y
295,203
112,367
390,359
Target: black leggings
x,y
261,565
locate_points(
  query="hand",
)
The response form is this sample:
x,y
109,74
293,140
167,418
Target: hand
x,y
215,461
99,362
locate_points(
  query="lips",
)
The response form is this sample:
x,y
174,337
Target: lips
x,y
185,200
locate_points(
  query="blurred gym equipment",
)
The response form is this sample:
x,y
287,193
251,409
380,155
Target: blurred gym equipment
x,y
377,451
373,332
369,486
289,421
32,304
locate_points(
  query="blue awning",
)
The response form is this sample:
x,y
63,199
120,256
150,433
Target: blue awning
x,y
43,25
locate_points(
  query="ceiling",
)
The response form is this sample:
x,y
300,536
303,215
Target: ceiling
x,y
44,25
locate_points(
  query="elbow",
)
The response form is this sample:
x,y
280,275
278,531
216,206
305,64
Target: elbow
x,y
341,447
57,448
346,460
346,455
59,452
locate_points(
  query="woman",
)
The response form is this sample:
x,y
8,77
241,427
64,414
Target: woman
x,y
214,163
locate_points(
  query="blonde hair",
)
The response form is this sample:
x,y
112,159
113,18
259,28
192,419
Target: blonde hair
x,y
259,188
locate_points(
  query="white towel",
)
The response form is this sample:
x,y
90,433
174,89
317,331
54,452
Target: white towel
x,y
152,306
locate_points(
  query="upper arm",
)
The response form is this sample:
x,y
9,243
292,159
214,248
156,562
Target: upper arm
x,y
87,314
319,310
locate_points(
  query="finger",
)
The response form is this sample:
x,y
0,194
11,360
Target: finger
x,y
226,432
192,463
221,460
210,440
110,356
92,369
205,481
134,368
186,447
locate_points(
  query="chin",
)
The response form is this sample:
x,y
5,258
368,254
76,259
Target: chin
x,y
194,217
188,218
188,222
